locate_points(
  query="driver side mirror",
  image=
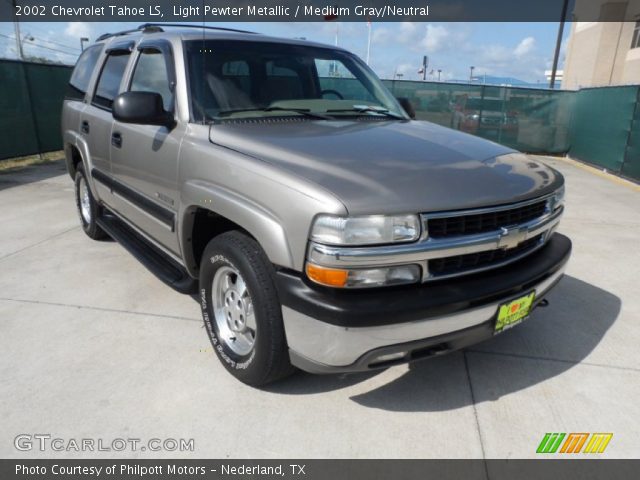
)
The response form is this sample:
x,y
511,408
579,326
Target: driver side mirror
x,y
407,106
145,108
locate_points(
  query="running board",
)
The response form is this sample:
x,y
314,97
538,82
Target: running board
x,y
166,269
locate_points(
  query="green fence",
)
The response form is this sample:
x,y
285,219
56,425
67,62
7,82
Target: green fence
x,y
631,165
31,96
605,129
595,125
531,120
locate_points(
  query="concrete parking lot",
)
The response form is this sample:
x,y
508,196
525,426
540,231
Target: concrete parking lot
x,y
92,345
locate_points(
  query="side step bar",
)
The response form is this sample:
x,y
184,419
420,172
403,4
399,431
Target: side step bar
x,y
163,267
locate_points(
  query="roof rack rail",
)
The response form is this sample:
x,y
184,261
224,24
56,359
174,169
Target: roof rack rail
x,y
157,27
182,25
146,28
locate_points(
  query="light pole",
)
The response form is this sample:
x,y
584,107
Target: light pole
x,y
368,42
471,69
439,72
556,56
16,27
82,40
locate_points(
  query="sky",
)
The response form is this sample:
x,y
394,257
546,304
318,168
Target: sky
x,y
518,50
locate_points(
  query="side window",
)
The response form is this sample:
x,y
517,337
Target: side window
x,y
110,78
152,75
635,41
79,82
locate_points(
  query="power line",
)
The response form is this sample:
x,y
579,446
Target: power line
x,y
28,38
46,40
33,44
52,49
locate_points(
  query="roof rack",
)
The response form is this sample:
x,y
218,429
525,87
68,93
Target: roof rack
x,y
142,28
158,27
182,25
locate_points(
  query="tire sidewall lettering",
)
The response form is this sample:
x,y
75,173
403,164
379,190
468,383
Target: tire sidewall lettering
x,y
217,261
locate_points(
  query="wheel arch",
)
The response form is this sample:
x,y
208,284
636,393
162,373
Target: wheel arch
x,y
209,210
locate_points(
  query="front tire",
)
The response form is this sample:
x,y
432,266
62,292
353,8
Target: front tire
x,y
88,209
241,310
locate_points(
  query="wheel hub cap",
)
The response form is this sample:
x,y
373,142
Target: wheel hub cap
x,y
85,200
233,310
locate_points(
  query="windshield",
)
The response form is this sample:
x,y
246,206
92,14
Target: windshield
x,y
244,79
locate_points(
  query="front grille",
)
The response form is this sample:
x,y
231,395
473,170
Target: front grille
x,y
483,222
471,261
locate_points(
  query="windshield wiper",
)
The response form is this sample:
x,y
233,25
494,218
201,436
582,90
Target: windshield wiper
x,y
367,109
302,111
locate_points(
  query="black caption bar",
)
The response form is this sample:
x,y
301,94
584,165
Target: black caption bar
x,y
319,469
311,10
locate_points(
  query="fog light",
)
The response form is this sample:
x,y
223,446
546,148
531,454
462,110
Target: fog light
x,y
377,277
359,278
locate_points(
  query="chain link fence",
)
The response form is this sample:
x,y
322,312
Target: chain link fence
x,y
596,125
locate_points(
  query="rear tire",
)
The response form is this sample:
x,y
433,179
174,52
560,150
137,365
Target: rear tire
x,y
88,209
241,309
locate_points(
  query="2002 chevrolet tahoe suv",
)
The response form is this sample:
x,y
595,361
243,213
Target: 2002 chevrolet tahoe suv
x,y
322,227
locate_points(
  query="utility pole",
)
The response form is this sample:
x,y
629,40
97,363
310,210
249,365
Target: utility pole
x,y
471,69
425,63
369,41
16,27
552,82
85,39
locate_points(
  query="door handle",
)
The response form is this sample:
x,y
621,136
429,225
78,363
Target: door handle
x,y
116,139
85,127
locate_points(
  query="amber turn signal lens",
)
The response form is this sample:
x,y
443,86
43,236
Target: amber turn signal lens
x,y
327,276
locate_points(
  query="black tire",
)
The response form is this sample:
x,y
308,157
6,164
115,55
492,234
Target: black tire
x,y
268,359
89,225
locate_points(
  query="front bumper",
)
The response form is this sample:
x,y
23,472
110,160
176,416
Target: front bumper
x,y
344,331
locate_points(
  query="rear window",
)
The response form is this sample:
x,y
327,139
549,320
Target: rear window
x,y
79,83
110,79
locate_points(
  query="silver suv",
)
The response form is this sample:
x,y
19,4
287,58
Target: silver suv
x,y
320,225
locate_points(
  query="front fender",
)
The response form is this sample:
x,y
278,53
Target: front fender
x,y
261,223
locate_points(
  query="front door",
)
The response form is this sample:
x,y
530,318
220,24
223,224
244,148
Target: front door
x,y
144,158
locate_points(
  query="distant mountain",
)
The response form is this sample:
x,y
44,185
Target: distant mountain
x,y
504,81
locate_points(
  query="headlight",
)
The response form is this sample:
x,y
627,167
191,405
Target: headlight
x,y
365,230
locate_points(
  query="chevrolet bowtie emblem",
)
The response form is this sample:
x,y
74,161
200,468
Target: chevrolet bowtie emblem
x,y
511,237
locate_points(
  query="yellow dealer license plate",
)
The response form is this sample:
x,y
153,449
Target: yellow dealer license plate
x,y
509,314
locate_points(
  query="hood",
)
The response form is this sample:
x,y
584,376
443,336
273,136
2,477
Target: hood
x,y
380,167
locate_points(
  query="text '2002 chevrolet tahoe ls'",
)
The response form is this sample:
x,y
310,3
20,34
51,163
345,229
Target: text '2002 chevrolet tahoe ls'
x,y
320,225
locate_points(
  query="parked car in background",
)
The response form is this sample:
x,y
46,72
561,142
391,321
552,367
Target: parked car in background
x,y
485,117
319,224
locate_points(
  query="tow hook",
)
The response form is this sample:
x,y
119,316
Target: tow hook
x,y
543,303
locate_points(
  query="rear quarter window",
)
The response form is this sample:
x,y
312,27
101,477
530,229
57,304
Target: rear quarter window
x,y
79,82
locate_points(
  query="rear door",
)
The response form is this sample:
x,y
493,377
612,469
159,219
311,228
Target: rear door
x,y
97,120
144,158
76,95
